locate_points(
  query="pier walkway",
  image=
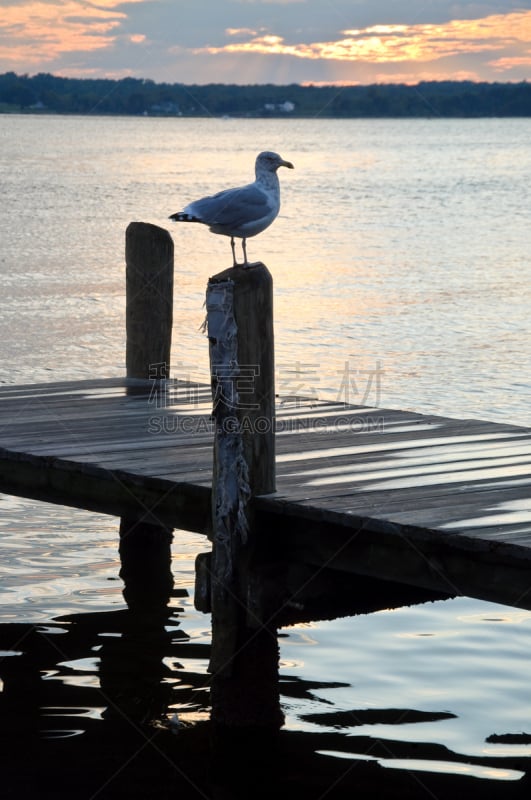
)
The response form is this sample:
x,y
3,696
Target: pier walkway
x,y
437,503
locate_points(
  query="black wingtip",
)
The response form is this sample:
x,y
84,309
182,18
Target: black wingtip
x,y
182,216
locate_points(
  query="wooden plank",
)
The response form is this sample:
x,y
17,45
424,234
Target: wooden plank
x,y
451,510
378,491
153,500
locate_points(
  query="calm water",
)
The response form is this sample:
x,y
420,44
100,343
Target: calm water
x,y
403,248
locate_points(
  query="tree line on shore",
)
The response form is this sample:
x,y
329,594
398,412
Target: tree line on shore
x,y
45,93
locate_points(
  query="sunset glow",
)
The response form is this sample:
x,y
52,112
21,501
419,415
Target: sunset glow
x,y
390,43
260,42
39,31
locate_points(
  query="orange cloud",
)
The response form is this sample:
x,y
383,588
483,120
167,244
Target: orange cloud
x,y
35,34
510,62
396,43
240,32
38,32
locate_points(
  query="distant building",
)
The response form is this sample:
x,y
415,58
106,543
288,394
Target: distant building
x,y
167,108
285,108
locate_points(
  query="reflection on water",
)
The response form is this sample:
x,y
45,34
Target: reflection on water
x,y
445,767
402,248
121,695
137,684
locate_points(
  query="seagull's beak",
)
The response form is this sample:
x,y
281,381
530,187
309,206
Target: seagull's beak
x,y
287,164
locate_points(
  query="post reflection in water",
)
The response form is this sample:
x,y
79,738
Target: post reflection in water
x,y
131,667
117,703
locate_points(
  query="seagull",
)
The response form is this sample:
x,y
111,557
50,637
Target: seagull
x,y
244,212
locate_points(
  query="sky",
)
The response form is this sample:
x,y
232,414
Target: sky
x,y
268,41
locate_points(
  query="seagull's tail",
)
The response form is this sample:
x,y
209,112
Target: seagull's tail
x,y
182,216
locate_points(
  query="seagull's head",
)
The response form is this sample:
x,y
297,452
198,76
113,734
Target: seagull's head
x,y
270,162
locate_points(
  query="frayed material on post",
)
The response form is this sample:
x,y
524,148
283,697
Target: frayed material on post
x,y
233,489
220,323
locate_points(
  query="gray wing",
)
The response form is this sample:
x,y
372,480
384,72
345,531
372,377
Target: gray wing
x,y
232,207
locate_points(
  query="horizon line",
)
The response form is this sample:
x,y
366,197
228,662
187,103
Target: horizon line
x,y
302,84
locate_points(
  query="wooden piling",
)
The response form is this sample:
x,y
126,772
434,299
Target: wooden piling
x,y
240,331
145,555
145,547
149,298
247,394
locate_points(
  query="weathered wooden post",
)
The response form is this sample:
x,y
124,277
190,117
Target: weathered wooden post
x,y
244,659
145,548
149,300
145,556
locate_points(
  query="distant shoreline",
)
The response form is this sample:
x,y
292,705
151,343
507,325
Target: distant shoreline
x,y
48,94
124,115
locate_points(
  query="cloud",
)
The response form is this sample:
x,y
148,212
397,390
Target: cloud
x,y
36,32
396,43
259,41
240,32
510,62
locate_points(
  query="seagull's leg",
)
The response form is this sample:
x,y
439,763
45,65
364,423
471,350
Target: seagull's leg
x,y
244,248
233,248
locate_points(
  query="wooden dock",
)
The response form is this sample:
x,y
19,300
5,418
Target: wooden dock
x,y
314,509
437,503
